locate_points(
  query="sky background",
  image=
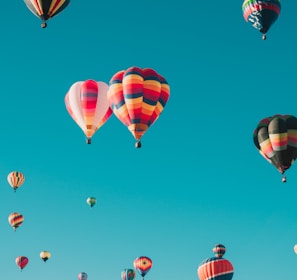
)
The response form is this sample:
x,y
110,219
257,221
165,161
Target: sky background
x,y
198,179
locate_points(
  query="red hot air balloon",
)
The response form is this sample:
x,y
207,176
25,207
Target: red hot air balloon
x,y
46,9
21,262
215,268
137,98
128,274
143,265
87,104
276,139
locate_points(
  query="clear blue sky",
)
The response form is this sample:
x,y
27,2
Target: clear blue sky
x,y
198,180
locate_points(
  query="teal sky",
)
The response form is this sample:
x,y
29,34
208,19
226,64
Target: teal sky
x,y
198,180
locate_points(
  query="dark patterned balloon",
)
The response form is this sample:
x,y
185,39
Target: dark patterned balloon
x,y
128,274
276,139
219,250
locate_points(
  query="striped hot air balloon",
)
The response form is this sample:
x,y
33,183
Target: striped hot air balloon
x,y
15,179
276,139
15,220
261,13
219,250
216,268
128,274
21,262
86,102
143,265
137,98
46,9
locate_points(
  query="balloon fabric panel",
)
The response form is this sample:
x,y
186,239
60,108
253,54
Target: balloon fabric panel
x,y
215,269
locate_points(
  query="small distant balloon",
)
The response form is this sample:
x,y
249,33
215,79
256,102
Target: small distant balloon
x,y
143,265
21,262
295,248
219,250
15,179
15,220
45,255
128,274
82,276
91,201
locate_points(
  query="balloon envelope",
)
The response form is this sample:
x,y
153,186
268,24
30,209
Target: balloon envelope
x,y
276,139
261,13
21,261
143,265
82,276
128,274
137,98
91,201
46,9
295,248
15,220
15,179
86,102
215,269
45,255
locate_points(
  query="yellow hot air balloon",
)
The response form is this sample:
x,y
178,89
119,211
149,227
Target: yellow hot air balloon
x,y
45,255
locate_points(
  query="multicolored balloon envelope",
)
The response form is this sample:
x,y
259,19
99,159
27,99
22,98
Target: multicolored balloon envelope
x,y
216,268
86,102
82,276
46,9
138,97
45,255
295,249
143,265
128,274
261,13
21,262
276,139
91,201
15,220
15,179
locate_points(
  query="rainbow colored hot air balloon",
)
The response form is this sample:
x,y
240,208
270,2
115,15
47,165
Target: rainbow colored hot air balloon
x,y
82,276
21,262
276,139
261,13
45,255
87,104
137,98
128,274
215,268
46,9
143,265
15,220
15,179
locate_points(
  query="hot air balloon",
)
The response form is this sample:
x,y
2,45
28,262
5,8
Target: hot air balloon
x,y
137,98
82,276
91,201
21,262
295,249
261,13
87,104
219,250
15,220
15,179
276,139
46,9
143,265
45,255
216,268
128,274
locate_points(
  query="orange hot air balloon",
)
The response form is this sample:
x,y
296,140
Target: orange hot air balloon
x,y
86,102
15,179
21,262
138,97
15,220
